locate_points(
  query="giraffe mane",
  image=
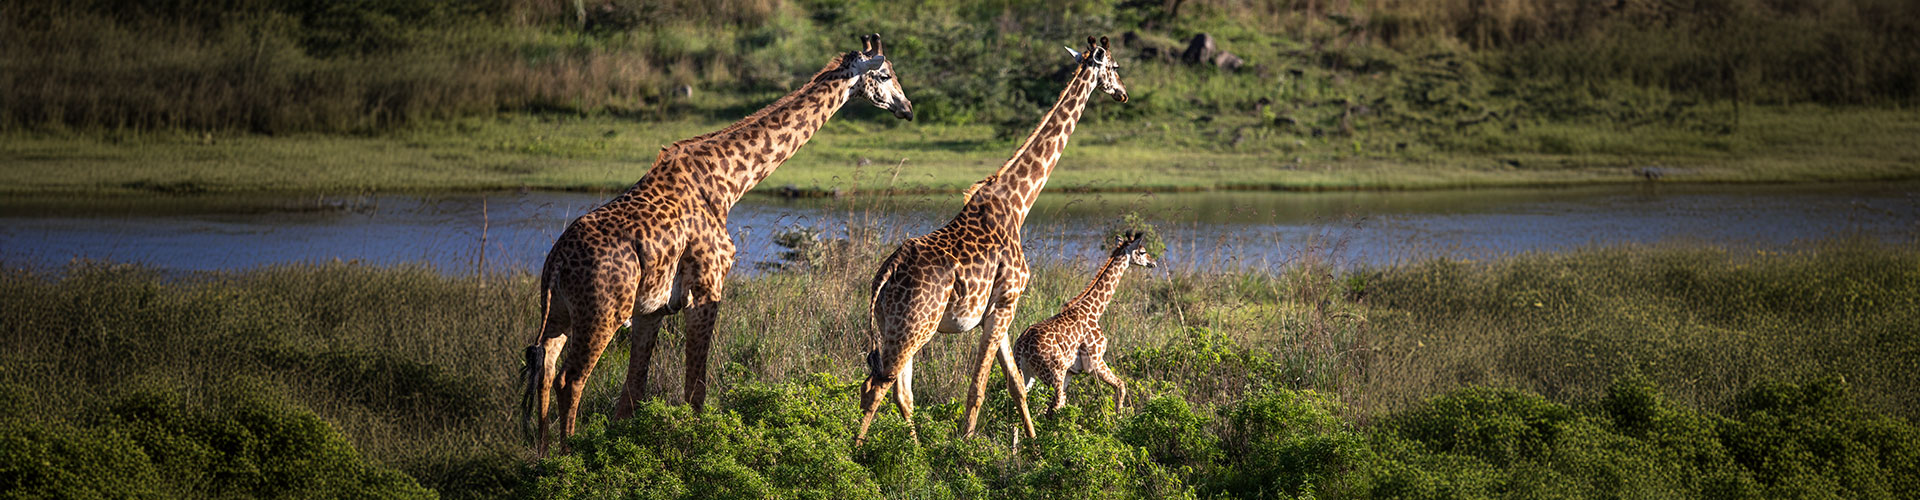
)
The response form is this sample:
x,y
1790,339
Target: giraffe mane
x,y
975,188
837,63
1032,137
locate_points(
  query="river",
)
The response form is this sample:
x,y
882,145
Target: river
x,y
508,231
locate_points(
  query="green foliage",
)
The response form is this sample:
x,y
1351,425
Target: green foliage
x,y
1801,440
156,444
1134,223
1206,364
327,339
1605,373
1439,68
1285,444
1172,434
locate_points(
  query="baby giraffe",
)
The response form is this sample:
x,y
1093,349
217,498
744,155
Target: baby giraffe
x,y
1071,342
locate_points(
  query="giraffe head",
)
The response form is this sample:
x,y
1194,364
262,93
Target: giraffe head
x,y
1098,60
878,83
1130,246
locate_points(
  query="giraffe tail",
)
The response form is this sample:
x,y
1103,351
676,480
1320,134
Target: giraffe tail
x,y
880,279
533,370
530,377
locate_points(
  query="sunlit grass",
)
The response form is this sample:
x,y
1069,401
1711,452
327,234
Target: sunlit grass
x,y
869,154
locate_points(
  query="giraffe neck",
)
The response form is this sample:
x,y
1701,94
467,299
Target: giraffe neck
x,y
1093,301
746,152
1011,190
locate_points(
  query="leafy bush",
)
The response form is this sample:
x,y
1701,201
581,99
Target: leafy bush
x,y
1172,434
1284,444
782,441
1205,364
155,444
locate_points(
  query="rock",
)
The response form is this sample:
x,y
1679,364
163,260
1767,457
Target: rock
x,y
683,91
1200,48
1227,61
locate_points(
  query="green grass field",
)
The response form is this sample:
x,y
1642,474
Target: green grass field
x,y
861,154
415,372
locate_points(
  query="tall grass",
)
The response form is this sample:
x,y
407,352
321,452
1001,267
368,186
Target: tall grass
x,y
415,368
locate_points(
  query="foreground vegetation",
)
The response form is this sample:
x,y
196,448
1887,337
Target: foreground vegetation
x,y
1623,371
106,96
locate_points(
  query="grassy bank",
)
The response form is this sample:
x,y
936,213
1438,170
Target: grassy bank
x,y
1786,144
109,96
1672,359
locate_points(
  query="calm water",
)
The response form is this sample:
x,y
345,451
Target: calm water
x,y
509,231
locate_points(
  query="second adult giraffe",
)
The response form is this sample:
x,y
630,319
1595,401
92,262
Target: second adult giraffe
x,y
973,267
662,246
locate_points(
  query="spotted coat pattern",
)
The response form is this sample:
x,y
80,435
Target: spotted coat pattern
x,y
973,268
662,246
1072,341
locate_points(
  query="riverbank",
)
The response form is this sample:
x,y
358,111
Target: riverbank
x,y
1598,349
548,152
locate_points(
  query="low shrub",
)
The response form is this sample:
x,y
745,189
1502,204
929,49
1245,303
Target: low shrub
x,y
153,443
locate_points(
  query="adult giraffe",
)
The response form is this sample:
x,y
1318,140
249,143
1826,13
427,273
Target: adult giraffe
x,y
662,246
973,267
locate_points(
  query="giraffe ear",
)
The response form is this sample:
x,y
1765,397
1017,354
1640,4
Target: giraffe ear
x,y
870,63
1076,54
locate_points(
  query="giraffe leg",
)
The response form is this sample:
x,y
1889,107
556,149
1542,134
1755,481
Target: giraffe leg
x,y
1015,385
992,339
700,320
645,334
871,395
983,368
903,397
1119,386
548,356
579,358
1059,392
709,270
904,319
1097,364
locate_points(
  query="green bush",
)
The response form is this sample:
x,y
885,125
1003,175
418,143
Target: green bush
x,y
1285,444
1804,440
1172,434
155,444
784,441
1071,461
